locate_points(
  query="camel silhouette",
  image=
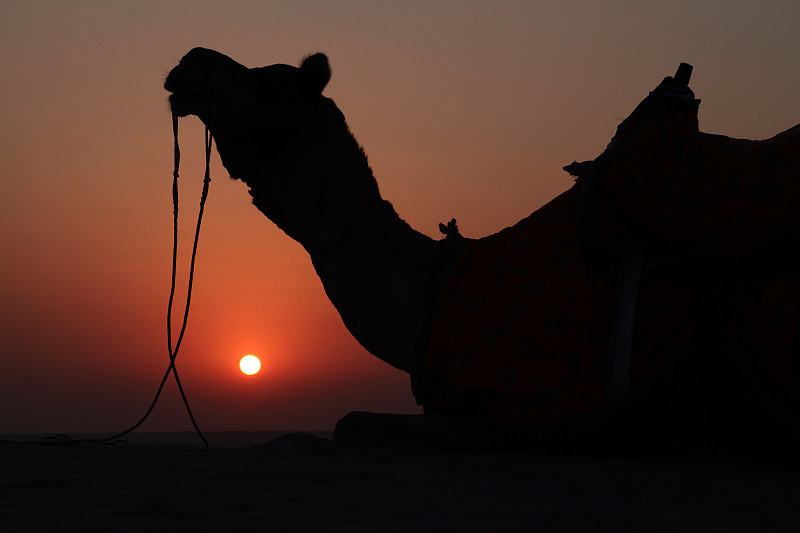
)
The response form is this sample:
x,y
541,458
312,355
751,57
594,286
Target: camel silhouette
x,y
653,304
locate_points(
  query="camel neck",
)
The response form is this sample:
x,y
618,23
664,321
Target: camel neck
x,y
373,265
320,189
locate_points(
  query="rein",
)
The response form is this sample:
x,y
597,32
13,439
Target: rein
x,y
173,352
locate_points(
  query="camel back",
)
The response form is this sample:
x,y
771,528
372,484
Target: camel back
x,y
517,343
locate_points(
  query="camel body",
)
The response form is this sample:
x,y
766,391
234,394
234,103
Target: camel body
x,y
510,340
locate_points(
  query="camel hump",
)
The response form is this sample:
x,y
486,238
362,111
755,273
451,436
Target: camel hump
x,y
315,73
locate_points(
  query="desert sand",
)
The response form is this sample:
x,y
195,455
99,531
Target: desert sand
x,y
303,482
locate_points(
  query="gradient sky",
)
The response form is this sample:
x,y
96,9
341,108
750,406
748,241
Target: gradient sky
x,y
467,109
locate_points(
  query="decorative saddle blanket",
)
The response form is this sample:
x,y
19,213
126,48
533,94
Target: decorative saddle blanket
x,y
517,343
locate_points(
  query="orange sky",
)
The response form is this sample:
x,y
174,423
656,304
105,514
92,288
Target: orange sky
x,y
467,112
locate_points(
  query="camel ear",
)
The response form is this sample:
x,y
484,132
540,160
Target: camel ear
x,y
315,72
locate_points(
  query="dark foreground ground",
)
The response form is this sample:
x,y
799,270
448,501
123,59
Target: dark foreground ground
x,y
300,482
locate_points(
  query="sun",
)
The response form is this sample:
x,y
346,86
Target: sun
x,y
250,364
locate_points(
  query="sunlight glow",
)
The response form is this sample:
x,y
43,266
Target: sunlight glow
x,y
250,364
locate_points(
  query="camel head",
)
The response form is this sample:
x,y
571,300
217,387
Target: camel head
x,y
258,116
276,132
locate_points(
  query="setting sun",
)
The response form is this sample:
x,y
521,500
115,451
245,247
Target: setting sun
x,y
250,364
